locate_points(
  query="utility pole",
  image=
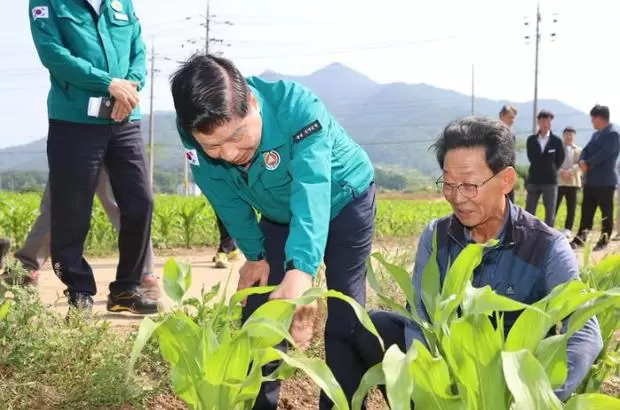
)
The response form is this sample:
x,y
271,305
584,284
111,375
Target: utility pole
x,y
152,119
537,40
472,89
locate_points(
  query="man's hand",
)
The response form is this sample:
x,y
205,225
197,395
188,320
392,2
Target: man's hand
x,y
565,174
583,166
295,284
253,272
126,97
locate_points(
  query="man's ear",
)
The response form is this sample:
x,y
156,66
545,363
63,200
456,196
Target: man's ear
x,y
509,179
253,101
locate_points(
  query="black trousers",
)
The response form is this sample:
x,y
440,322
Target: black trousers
x,y
349,244
76,153
227,243
570,193
597,197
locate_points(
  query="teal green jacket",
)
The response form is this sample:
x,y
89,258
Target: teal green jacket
x,y
306,170
84,52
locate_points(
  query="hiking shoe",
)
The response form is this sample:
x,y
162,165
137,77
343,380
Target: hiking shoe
x,y
132,301
576,243
80,304
600,245
150,287
13,278
616,238
232,255
221,260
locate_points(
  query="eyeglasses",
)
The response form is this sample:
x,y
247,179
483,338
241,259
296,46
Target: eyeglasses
x,y
466,189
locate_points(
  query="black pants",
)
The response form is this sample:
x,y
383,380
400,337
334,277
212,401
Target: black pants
x,y
570,193
76,153
348,247
227,243
597,197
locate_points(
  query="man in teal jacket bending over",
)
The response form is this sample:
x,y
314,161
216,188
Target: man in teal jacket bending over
x,y
274,147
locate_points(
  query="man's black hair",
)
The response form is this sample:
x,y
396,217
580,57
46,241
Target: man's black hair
x,y
479,132
600,111
545,114
506,109
569,129
208,91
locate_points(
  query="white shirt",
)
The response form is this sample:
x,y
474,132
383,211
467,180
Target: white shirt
x,y
543,140
96,5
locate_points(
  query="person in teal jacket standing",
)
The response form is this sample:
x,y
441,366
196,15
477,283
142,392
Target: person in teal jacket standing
x,y
273,147
95,56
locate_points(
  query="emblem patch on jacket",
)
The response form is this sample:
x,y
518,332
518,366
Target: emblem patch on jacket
x,y
305,132
272,160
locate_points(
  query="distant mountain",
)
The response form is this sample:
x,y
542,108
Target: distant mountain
x,y
396,123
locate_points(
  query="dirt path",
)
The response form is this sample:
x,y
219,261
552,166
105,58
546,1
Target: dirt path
x,y
203,274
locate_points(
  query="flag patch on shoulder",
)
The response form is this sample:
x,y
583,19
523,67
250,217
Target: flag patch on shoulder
x,y
40,12
305,132
192,157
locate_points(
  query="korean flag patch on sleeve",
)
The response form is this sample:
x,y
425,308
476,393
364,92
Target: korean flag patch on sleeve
x,y
40,12
192,157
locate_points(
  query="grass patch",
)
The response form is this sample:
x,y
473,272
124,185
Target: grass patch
x,y
46,363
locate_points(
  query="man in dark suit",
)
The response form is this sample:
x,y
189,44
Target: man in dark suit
x,y
545,151
598,162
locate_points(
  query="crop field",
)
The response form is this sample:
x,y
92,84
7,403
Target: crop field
x,y
184,222
197,355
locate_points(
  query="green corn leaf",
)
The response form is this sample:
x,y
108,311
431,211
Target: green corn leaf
x,y
532,325
237,297
431,381
551,353
400,276
485,301
607,268
593,401
455,282
528,382
239,362
430,281
320,374
145,332
475,344
398,382
177,280
373,377
582,315
252,384
265,333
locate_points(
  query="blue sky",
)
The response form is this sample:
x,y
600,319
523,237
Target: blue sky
x,y
390,41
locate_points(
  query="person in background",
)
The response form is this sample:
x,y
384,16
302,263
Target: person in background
x,y
36,249
5,246
507,115
570,179
227,249
477,158
617,237
274,148
545,152
598,163
95,56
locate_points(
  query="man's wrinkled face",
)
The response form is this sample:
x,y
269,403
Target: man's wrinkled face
x,y
235,142
508,118
544,125
470,186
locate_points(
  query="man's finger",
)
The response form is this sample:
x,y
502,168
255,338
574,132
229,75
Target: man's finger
x,y
263,280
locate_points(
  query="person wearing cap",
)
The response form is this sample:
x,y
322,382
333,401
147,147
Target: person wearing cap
x,y
95,56
274,148
570,179
545,152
